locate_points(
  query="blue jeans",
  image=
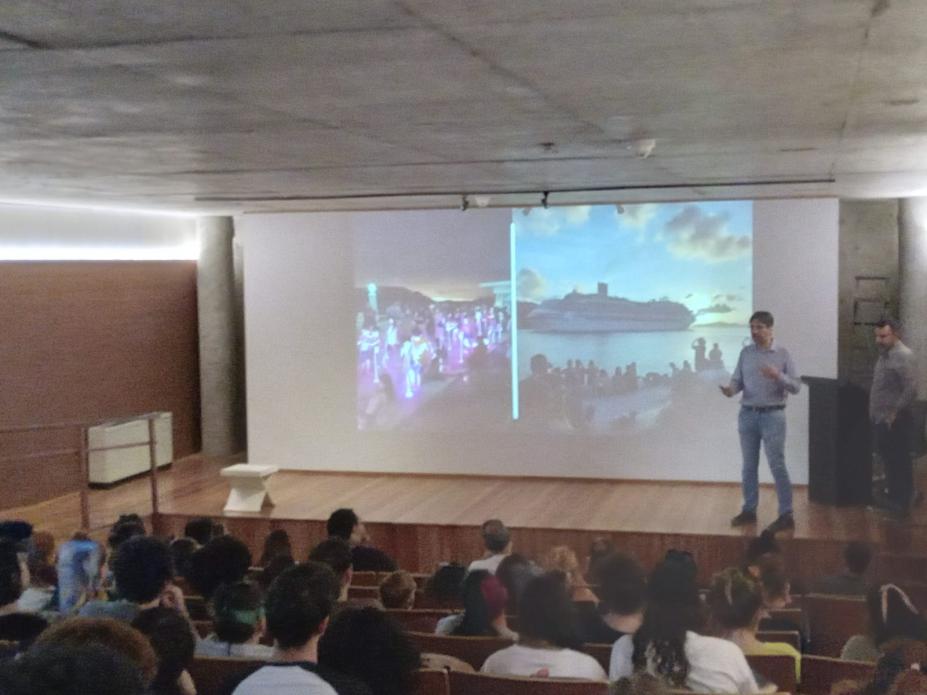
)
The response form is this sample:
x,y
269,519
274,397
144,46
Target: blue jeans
x,y
767,427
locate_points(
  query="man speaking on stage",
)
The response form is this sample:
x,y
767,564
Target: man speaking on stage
x,y
766,374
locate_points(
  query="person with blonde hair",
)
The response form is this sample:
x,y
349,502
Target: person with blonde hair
x,y
561,558
397,590
736,603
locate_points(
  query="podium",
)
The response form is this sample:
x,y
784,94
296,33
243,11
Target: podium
x,y
839,448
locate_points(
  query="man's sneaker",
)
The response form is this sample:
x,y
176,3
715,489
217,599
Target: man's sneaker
x,y
745,518
784,523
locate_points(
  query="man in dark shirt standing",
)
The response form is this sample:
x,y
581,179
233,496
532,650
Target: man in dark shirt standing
x,y
894,388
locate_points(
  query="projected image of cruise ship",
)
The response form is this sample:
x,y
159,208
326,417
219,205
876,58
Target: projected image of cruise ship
x,y
599,313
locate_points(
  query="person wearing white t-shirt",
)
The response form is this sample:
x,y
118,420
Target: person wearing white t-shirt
x,y
667,645
498,544
547,637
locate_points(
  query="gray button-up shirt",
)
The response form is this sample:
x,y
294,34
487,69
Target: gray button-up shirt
x,y
759,390
894,383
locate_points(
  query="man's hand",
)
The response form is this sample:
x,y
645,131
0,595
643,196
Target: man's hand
x,y
727,390
172,597
770,372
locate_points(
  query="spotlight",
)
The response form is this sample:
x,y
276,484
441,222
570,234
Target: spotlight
x,y
482,200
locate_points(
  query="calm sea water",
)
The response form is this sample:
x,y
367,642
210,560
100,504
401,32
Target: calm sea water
x,y
652,351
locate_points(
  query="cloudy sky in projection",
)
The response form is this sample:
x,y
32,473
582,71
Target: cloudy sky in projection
x,y
700,254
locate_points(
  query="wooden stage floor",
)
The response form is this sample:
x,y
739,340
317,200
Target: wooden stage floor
x,y
424,519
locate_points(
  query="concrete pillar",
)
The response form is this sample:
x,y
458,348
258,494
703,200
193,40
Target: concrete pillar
x,y
912,255
221,347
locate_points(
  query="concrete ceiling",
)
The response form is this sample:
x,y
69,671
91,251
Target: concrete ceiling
x,y
231,105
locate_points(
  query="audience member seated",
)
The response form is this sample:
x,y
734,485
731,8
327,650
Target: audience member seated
x,y
498,543
367,644
80,573
15,625
852,581
40,560
223,560
397,590
172,638
891,616
238,623
298,607
763,545
900,656
444,586
668,645
276,544
622,590
71,670
202,530
274,569
484,599
345,524
76,632
335,553
182,551
515,571
769,571
143,573
600,548
561,558
547,639
736,603
639,684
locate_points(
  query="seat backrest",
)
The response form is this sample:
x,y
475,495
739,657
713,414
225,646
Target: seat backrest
x,y
366,578
472,650
197,607
418,619
788,636
819,673
211,675
485,684
363,592
833,620
777,668
203,627
431,682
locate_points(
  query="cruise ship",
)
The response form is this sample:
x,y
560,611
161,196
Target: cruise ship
x,y
599,313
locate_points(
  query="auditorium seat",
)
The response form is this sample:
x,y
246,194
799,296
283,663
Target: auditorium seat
x,y
833,620
485,684
472,650
366,592
788,636
367,578
418,619
776,668
211,675
197,607
431,682
600,652
819,673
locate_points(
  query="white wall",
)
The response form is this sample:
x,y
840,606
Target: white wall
x,y
33,233
300,350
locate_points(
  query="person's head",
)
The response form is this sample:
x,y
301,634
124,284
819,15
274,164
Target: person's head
x,y
561,558
142,567
673,608
484,598
41,559
335,553
444,585
222,560
200,530
79,576
761,328
276,543
887,333
769,571
514,572
76,669
12,580
857,556
735,600
893,615
622,584
71,633
539,365
173,641
345,524
546,612
397,590
182,550
299,602
127,527
762,545
496,536
367,644
237,612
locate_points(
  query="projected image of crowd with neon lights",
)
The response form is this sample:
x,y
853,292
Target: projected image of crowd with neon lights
x,y
433,313
630,316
